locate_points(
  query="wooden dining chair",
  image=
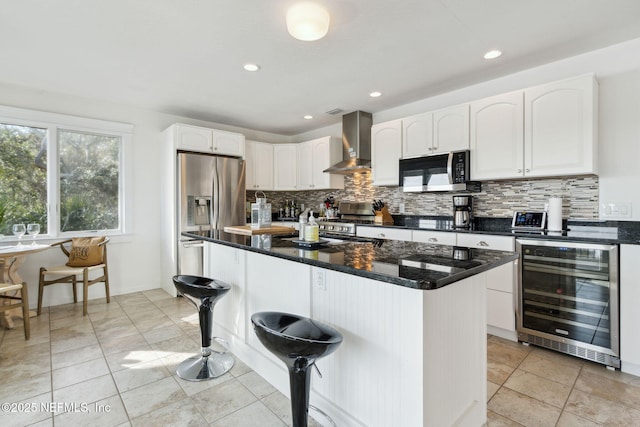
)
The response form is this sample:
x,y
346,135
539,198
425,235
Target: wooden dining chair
x,y
86,255
23,303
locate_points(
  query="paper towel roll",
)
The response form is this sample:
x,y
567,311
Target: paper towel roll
x,y
554,215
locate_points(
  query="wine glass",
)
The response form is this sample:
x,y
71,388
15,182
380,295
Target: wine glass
x,y
19,230
34,230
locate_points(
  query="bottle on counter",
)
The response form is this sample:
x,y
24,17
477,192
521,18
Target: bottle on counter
x,y
312,230
302,223
286,209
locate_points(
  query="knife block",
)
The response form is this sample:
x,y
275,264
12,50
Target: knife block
x,y
383,217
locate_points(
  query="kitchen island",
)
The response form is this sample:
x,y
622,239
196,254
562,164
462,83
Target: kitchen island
x,y
413,317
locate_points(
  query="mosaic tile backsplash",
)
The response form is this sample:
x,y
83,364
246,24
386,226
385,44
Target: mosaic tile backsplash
x,y
498,199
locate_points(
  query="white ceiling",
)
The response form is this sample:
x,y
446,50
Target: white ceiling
x,y
185,57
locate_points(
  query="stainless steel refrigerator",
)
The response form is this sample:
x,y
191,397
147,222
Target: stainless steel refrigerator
x,y
211,195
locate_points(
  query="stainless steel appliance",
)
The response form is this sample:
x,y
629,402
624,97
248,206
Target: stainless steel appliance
x,y
211,195
568,298
350,215
356,144
462,208
439,172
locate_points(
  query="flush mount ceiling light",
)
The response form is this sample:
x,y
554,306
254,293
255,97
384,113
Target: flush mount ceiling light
x,y
307,21
308,117
375,94
492,54
251,67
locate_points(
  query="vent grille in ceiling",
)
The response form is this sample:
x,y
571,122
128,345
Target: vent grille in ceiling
x,y
335,111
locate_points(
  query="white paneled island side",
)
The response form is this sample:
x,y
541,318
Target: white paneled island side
x,y
414,348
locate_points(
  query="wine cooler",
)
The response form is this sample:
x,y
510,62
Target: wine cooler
x,y
568,298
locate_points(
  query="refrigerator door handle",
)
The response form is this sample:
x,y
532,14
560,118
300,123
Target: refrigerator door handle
x,y
195,244
215,196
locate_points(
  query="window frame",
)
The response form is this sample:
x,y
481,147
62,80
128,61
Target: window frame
x,y
55,122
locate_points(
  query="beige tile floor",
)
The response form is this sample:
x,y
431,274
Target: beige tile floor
x,y
117,365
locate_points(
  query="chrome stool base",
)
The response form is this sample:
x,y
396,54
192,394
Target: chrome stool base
x,y
200,368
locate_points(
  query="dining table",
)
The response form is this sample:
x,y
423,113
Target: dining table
x,y
11,258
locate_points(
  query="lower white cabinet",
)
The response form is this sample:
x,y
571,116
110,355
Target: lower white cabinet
x,y
387,233
434,237
485,241
501,312
629,313
501,284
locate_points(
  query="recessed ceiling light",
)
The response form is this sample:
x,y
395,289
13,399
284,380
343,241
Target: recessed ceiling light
x,y
492,54
375,94
251,67
308,117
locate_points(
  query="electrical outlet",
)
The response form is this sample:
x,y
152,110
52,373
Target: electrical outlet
x,y
615,210
401,208
320,280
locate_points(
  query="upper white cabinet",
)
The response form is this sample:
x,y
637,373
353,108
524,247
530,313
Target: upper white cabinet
x,y
561,128
386,150
436,132
417,135
451,129
497,137
314,157
285,160
259,165
547,130
205,140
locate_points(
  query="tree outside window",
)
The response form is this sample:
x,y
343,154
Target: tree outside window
x,y
82,184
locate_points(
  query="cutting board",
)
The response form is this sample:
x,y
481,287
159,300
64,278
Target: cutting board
x,y
248,231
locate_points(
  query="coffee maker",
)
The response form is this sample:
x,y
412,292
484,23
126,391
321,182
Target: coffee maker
x,y
462,206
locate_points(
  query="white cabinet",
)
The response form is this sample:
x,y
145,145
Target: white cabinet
x,y
486,241
205,140
259,165
228,264
436,132
285,160
386,150
417,135
501,313
547,130
434,237
497,137
313,158
451,129
501,284
389,233
629,313
560,128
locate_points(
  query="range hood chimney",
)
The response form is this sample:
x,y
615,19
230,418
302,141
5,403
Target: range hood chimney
x,y
356,144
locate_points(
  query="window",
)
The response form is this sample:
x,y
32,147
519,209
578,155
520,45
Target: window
x,y
65,173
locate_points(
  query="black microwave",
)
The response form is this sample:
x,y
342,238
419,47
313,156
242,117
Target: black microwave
x,y
438,172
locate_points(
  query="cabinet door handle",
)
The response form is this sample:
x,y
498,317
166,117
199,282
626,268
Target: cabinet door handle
x,y
381,235
527,170
432,239
519,170
482,243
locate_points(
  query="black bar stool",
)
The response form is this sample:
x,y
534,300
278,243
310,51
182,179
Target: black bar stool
x,y
204,293
297,341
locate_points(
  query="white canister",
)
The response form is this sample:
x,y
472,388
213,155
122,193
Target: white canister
x,y
554,214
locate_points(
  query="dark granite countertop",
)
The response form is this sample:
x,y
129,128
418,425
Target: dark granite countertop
x,y
410,264
612,232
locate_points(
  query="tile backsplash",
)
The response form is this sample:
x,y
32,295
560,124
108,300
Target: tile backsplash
x,y
497,199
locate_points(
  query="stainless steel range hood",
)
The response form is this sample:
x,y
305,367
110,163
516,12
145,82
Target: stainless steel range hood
x,y
356,144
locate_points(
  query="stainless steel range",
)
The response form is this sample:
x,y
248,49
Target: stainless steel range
x,y
351,214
